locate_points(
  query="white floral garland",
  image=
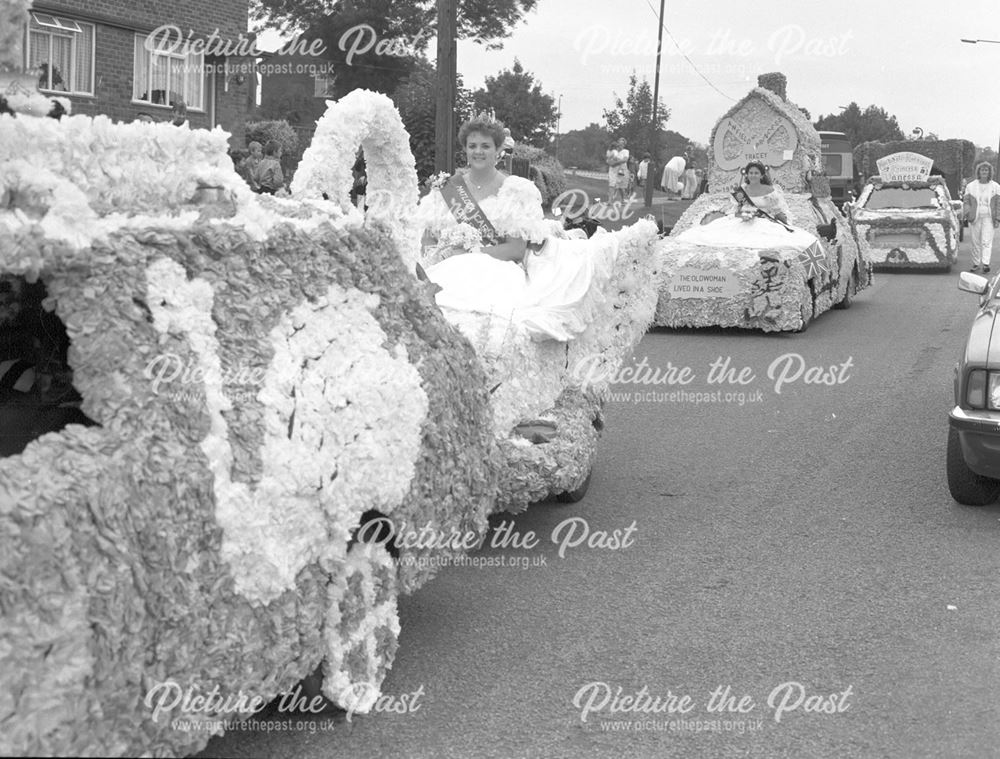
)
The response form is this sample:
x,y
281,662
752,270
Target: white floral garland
x,y
369,120
127,168
354,417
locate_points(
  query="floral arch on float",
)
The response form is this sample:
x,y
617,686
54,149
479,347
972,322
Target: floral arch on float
x,y
367,120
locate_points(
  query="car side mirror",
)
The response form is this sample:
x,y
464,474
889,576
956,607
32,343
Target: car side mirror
x,y
972,283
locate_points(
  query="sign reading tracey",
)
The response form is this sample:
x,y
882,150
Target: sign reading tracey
x,y
737,142
904,167
704,283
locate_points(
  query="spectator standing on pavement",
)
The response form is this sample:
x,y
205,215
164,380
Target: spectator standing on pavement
x,y
180,113
643,169
671,180
633,170
618,179
269,177
248,166
982,208
690,179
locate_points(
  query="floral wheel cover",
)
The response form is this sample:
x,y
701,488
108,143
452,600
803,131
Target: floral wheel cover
x,y
368,120
362,628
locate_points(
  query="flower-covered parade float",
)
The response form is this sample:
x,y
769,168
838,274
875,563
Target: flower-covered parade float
x,y
547,377
255,378
246,384
905,218
731,261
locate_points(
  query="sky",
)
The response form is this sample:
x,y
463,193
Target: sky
x,y
904,56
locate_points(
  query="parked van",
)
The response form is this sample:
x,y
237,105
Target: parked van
x,y
838,159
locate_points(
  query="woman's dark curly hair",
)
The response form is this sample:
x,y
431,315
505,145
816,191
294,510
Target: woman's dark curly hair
x,y
765,178
482,124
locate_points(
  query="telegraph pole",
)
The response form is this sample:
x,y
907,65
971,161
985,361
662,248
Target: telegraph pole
x,y
447,73
653,168
558,122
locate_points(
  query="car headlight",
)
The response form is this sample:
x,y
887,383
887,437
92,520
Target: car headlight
x,y
982,390
975,390
993,392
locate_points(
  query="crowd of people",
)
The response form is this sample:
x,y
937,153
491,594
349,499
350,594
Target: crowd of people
x,y
680,180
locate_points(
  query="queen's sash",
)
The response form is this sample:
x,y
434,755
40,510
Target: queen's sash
x,y
466,210
744,198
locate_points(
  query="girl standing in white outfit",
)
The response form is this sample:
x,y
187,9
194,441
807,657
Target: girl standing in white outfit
x,y
983,195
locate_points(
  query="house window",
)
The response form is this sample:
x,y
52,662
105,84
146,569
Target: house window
x,y
323,86
61,50
164,74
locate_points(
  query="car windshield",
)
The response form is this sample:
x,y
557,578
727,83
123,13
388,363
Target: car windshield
x,y
897,197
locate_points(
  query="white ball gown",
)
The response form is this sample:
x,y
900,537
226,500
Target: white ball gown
x,y
555,293
733,232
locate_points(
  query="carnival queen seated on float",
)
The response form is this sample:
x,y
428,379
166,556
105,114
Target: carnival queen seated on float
x,y
758,217
489,249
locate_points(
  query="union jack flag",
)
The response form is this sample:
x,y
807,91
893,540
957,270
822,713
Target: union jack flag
x,y
814,260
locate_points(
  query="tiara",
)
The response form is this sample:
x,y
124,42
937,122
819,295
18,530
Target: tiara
x,y
486,117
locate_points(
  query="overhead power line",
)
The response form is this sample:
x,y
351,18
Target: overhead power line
x,y
684,56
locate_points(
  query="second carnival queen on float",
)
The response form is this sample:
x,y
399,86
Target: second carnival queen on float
x,y
745,226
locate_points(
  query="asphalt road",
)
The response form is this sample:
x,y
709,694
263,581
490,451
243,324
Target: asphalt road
x,y
800,550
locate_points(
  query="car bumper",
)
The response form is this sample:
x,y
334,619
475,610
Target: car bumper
x,y
907,244
979,434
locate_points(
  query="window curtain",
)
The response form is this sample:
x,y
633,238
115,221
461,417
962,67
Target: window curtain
x,y
140,72
61,63
163,79
160,78
83,79
38,48
195,81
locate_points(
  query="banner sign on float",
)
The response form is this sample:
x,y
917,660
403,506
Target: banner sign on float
x,y
704,283
904,167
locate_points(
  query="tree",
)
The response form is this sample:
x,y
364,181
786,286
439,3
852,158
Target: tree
x,y
872,124
986,154
415,99
351,38
633,118
518,101
483,22
584,148
672,144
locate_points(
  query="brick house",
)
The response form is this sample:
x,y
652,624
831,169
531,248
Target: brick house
x,y
96,53
295,88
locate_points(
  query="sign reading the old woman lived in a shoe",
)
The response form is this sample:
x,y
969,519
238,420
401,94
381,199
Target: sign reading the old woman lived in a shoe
x,y
904,167
704,283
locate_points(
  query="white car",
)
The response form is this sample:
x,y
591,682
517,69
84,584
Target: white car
x,y
773,290
907,225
